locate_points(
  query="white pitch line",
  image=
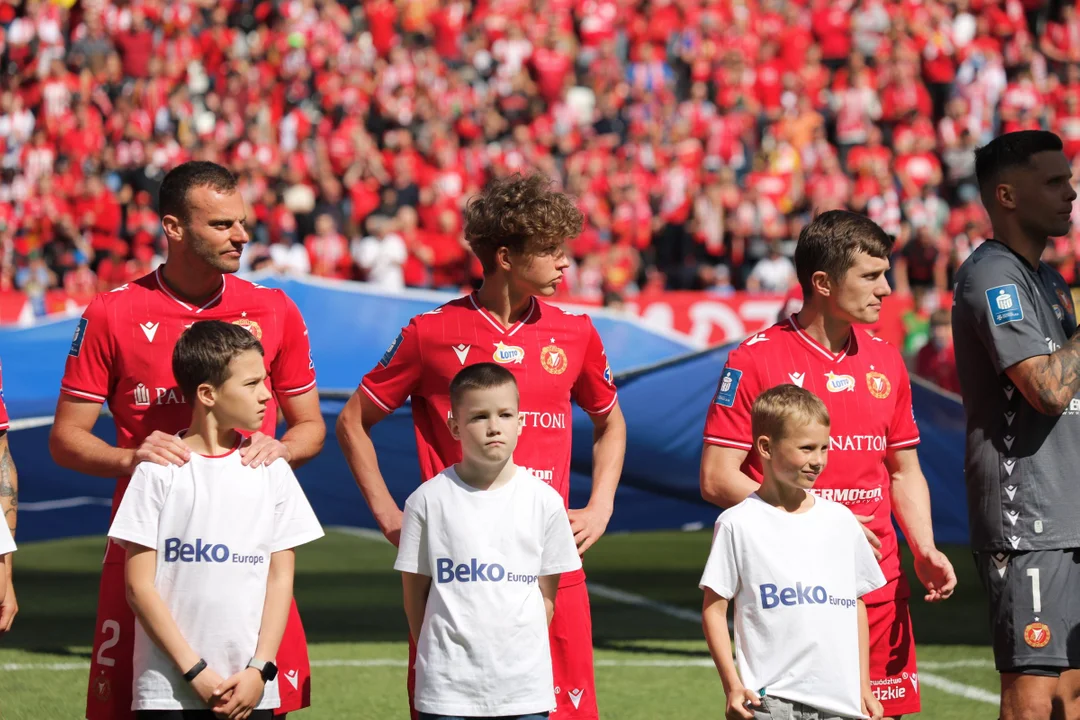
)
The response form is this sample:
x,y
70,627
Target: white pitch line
x,y
955,664
960,689
627,598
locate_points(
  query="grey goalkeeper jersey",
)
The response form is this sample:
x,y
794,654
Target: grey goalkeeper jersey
x,y
1022,467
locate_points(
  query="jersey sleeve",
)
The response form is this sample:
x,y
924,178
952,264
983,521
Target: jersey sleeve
x,y
397,375
88,374
903,432
998,301
294,521
594,389
412,553
728,420
721,573
559,553
3,408
292,372
139,515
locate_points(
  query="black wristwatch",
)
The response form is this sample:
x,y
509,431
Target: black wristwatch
x,y
197,668
268,670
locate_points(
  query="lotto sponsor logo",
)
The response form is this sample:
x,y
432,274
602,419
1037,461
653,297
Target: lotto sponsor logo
x,y
848,496
475,571
869,443
506,354
176,550
773,596
839,383
892,688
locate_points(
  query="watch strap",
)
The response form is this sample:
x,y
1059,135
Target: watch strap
x,y
195,670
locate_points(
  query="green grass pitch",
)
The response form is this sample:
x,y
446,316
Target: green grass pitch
x,y
652,663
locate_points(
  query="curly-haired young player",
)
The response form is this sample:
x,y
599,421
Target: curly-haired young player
x,y
517,228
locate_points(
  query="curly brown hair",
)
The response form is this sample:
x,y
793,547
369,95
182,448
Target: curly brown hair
x,y
524,214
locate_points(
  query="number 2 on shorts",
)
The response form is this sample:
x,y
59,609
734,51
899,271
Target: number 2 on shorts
x,y
112,628
1036,596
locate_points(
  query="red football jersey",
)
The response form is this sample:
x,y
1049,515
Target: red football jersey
x,y
122,353
868,394
555,356
3,407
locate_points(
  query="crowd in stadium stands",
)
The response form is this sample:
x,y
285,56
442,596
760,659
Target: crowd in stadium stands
x,y
697,135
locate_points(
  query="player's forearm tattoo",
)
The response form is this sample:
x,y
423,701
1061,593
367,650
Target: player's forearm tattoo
x,y
1058,380
9,487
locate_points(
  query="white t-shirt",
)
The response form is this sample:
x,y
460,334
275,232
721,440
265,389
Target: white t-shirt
x,y
483,649
7,543
214,524
795,579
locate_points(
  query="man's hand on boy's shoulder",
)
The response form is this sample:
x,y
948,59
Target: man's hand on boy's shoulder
x,y
740,704
161,448
238,696
262,449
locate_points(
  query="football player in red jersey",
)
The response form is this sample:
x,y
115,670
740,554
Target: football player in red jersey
x,y
122,354
9,507
841,259
517,229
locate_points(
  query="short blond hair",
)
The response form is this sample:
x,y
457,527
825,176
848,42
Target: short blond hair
x,y
777,410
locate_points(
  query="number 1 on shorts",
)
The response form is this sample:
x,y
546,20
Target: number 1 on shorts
x,y
1036,596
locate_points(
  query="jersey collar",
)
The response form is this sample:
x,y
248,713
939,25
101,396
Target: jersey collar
x,y
188,306
498,325
817,348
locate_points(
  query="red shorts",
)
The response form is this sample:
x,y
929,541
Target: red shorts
x,y
570,634
109,694
894,676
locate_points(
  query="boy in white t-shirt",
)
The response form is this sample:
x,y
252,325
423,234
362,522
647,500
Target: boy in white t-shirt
x,y
796,567
482,546
209,545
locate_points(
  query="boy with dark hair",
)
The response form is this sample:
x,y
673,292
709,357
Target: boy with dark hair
x,y
1018,358
209,566
482,546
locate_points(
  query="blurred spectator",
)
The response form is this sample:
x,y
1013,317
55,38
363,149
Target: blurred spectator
x,y
774,273
381,255
328,251
936,360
